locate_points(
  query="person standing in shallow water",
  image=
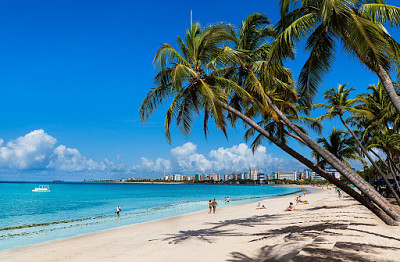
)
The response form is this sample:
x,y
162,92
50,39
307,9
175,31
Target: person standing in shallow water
x,y
118,210
214,205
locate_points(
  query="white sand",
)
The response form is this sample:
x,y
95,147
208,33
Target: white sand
x,y
327,228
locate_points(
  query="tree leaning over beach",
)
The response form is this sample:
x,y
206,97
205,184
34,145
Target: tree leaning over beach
x,y
194,75
267,104
338,104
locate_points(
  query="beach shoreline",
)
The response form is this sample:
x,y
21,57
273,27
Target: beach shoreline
x,y
235,233
256,199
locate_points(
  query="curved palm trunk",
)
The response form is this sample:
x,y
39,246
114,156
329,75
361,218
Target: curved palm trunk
x,y
388,85
394,171
361,184
363,200
387,166
396,196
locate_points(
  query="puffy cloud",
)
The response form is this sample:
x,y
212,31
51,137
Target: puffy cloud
x,y
188,160
36,150
39,151
69,159
31,151
151,167
239,158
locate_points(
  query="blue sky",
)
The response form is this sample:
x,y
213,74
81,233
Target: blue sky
x,y
77,72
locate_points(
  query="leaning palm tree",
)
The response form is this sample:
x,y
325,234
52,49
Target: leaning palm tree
x,y
338,104
358,25
388,142
193,77
313,14
341,145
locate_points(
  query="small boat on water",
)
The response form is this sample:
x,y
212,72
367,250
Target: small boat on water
x,y
42,188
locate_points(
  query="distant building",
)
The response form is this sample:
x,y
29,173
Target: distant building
x,y
214,177
176,177
254,173
333,172
228,177
286,175
187,178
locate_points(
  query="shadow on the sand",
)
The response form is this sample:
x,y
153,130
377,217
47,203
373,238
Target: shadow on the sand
x,y
295,240
342,251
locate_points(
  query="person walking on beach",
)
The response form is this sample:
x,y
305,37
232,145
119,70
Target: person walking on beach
x,y
227,200
209,206
214,205
339,193
118,210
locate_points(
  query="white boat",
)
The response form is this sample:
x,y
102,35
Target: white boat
x,y
42,188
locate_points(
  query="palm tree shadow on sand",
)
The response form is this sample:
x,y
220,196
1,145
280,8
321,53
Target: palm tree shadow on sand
x,y
291,240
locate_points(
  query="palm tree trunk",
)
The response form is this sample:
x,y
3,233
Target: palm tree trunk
x,y
396,196
360,183
387,166
363,200
394,171
387,83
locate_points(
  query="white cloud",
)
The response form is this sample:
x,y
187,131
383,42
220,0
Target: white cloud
x,y
149,166
39,151
69,159
31,151
36,150
239,158
188,160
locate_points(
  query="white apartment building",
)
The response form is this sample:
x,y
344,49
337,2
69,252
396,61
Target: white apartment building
x,y
254,173
176,177
285,175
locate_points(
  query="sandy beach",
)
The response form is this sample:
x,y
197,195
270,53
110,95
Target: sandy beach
x,y
327,229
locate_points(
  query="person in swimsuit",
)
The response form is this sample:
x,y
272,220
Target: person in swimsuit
x,y
227,200
291,207
118,210
209,206
214,205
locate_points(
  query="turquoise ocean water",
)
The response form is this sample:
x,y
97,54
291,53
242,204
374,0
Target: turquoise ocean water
x,y
72,209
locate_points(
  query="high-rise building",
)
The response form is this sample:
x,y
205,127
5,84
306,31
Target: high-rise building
x,y
214,177
254,173
285,175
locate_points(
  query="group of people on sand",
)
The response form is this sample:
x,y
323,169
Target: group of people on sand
x,y
212,205
291,207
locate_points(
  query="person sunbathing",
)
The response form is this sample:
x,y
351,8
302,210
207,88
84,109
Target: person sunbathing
x,y
291,208
262,207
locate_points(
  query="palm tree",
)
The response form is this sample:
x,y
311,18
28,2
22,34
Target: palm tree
x,y
359,27
193,77
361,38
341,145
189,75
388,142
338,104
